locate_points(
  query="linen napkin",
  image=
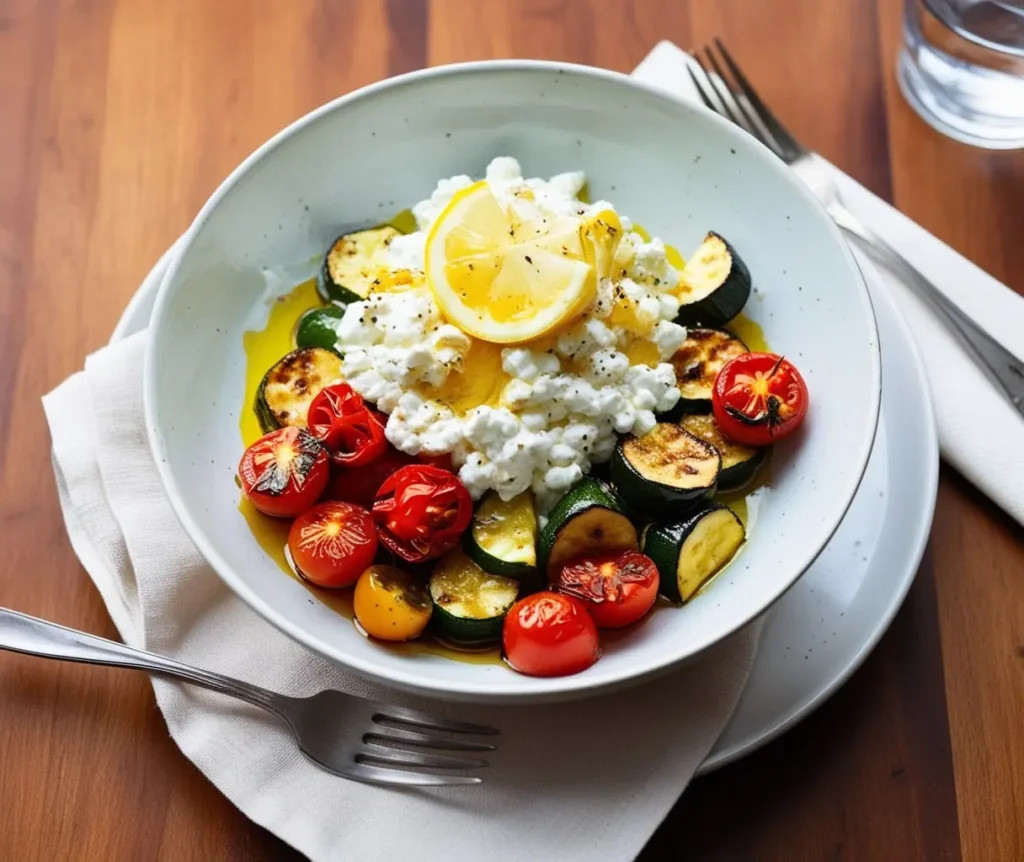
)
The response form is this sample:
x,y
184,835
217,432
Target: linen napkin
x,y
588,780
980,434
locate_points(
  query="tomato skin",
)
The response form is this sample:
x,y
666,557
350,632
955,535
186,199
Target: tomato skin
x,y
617,589
351,431
549,634
391,604
759,398
421,512
284,472
332,543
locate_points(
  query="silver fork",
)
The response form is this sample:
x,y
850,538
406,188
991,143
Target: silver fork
x,y
346,735
725,89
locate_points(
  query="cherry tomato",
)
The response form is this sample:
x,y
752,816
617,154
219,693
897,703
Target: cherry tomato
x,y
391,605
284,472
759,398
549,634
618,589
421,511
332,543
359,485
352,432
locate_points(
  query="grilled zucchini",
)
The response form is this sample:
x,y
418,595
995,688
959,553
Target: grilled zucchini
x,y
353,264
290,385
317,327
502,538
690,552
697,364
739,462
469,604
667,469
714,286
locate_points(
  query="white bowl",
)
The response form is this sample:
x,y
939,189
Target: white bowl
x,y
676,168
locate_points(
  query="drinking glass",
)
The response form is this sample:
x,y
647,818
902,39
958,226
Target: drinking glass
x,y
962,68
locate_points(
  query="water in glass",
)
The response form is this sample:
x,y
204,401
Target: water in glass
x,y
962,68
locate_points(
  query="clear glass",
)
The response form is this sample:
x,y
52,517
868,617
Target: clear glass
x,y
962,68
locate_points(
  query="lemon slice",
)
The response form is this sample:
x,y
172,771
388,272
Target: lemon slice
x,y
503,282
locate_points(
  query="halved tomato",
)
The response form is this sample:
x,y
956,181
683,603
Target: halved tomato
x,y
618,589
759,398
284,472
333,543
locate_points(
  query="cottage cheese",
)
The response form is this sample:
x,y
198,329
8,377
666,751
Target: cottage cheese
x,y
564,400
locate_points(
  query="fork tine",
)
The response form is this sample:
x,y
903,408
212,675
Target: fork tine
x,y
728,97
411,737
788,146
370,754
396,777
703,84
403,715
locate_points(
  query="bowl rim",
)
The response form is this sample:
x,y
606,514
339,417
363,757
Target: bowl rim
x,y
541,689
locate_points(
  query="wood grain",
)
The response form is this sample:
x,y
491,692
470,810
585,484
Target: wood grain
x,y
119,118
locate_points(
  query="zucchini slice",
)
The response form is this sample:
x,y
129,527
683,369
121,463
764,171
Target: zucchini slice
x,y
689,553
739,462
502,539
289,386
469,604
667,469
353,263
697,364
590,519
317,327
714,286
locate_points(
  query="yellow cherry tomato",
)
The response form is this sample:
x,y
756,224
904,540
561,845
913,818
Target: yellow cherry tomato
x,y
391,605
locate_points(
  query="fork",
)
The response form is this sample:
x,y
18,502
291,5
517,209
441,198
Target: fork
x,y
726,90
346,735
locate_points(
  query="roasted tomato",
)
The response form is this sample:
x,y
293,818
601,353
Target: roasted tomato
x,y
391,605
332,544
351,431
549,634
759,398
421,512
284,472
617,589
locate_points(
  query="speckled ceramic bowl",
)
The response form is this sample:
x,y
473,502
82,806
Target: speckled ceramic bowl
x,y
676,168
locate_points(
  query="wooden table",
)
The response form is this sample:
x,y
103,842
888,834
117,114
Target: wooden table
x,y
117,120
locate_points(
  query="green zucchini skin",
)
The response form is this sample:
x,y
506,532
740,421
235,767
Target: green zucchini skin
x,y
716,284
697,364
316,327
740,463
290,385
451,626
682,569
590,518
655,498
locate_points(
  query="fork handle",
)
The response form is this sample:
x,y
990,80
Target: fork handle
x,y
1004,369
32,636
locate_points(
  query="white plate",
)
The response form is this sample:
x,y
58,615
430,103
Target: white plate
x,y
820,632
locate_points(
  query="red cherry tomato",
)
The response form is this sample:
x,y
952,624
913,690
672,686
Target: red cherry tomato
x,y
617,589
359,485
284,472
549,634
759,398
352,433
421,512
332,543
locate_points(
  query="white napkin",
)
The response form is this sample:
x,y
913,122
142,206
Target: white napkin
x,y
980,434
589,780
